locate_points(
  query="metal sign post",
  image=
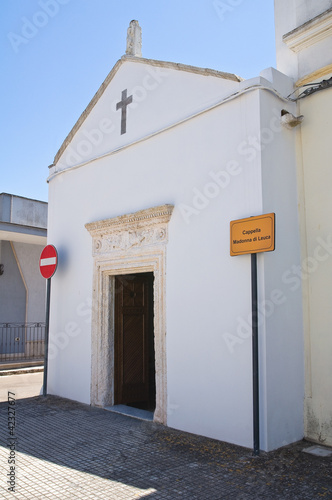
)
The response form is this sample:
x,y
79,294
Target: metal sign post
x,y
48,263
47,327
251,236
255,379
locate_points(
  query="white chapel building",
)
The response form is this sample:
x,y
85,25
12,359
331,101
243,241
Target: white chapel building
x,y
148,308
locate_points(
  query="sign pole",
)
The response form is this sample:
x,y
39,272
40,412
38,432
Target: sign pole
x,y
48,264
255,378
251,236
47,325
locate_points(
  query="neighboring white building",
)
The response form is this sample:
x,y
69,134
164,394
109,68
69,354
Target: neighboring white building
x,y
23,234
141,195
304,48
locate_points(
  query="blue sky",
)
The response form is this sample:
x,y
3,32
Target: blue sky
x,y
56,53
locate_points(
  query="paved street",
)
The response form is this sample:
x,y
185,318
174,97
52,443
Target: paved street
x,y
26,385
65,450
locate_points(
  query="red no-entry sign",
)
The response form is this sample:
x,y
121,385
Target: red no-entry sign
x,y
47,264
48,261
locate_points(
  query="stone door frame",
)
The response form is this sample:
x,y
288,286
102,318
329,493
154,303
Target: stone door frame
x,y
129,244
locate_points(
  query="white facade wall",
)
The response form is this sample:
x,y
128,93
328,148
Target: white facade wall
x,y
208,302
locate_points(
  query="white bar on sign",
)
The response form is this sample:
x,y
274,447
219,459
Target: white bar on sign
x,y
48,262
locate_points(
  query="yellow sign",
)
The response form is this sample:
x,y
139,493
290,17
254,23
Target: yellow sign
x,y
252,235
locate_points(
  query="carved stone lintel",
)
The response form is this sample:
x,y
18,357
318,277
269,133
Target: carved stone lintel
x,y
136,230
154,215
120,240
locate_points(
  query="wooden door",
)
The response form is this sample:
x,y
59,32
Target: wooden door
x,y
134,368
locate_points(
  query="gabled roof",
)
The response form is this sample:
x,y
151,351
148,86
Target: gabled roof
x,y
141,60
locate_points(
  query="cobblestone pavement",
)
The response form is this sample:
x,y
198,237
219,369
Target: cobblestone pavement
x,y
66,450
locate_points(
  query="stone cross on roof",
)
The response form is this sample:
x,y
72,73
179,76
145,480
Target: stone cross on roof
x,y
134,40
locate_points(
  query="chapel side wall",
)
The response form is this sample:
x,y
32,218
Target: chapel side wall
x,y
317,263
208,343
280,304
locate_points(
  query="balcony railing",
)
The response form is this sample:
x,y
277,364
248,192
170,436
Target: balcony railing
x,y
22,342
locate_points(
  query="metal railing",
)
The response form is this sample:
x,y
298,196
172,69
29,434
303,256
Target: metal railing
x,y
22,341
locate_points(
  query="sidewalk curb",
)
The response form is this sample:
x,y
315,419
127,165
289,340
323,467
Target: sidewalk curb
x,y
20,371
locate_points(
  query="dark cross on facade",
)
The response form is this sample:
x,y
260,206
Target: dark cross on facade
x,y
123,106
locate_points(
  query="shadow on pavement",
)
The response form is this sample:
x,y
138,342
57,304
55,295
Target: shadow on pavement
x,y
154,461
